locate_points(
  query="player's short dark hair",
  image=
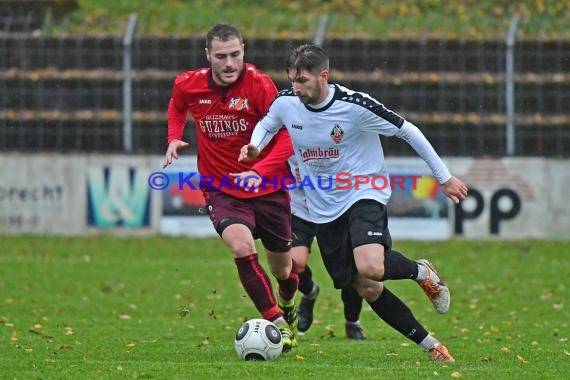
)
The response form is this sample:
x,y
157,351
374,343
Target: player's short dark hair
x,y
307,57
222,32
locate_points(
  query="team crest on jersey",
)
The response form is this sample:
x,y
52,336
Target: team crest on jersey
x,y
238,104
337,133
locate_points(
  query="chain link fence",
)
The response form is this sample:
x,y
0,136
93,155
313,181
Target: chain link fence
x,y
66,94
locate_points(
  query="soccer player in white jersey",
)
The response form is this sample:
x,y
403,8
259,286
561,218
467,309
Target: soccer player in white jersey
x,y
303,232
334,133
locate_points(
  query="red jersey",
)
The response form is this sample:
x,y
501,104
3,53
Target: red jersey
x,y
225,118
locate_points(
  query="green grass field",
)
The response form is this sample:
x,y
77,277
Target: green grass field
x,y
299,18
168,308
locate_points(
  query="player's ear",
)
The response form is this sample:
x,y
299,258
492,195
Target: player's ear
x,y
207,54
325,75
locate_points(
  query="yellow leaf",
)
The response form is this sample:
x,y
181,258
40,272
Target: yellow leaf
x,y
130,345
521,359
505,349
28,350
455,374
299,357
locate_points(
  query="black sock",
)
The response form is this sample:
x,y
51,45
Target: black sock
x,y
396,314
306,281
399,267
352,303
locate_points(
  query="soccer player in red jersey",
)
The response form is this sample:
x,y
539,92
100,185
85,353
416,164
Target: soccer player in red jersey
x,y
226,101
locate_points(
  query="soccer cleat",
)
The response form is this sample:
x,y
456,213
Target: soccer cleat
x,y
287,336
354,331
289,311
439,353
435,288
305,311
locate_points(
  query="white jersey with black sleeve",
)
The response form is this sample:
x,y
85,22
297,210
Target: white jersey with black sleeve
x,y
337,147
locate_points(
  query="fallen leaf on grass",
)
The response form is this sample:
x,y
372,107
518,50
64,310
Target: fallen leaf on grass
x,y
521,359
124,316
505,349
131,345
204,343
456,375
299,357
184,311
42,334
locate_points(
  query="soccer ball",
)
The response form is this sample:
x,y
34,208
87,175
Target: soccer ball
x,y
258,339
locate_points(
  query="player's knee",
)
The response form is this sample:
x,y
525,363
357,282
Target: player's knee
x,y
372,270
241,248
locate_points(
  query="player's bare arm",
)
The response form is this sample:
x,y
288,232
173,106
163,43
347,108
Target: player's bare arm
x,y
455,189
247,153
172,151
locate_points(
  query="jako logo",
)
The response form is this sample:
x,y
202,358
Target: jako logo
x,y
118,197
205,101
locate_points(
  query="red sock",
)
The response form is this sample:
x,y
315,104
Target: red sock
x,y
288,287
257,285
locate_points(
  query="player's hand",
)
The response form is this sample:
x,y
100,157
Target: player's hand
x,y
172,151
248,180
455,189
247,153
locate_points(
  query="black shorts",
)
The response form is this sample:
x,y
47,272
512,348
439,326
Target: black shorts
x,y
267,216
303,232
365,222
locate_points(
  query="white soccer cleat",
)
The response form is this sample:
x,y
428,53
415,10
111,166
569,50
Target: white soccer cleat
x,y
435,288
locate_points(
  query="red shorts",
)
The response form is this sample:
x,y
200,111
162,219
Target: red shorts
x,y
267,216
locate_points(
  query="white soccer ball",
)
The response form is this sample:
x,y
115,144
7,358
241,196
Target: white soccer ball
x,y
258,339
